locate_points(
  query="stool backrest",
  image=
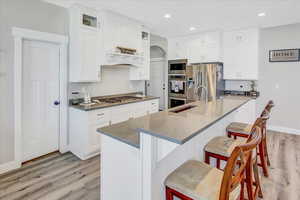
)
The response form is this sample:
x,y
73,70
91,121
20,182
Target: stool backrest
x,y
261,122
238,162
268,108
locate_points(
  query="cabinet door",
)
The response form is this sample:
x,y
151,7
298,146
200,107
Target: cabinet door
x,y
96,119
121,113
139,109
196,50
129,35
121,31
90,70
143,72
94,138
204,48
241,54
177,48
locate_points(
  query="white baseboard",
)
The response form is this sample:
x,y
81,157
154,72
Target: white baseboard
x,y
64,149
284,129
9,166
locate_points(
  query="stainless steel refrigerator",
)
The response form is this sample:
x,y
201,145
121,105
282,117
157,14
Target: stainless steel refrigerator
x,y
204,81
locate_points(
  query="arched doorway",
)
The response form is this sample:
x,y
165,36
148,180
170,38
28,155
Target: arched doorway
x,y
156,84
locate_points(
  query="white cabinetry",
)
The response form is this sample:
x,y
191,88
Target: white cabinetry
x,y
241,54
120,31
177,48
247,113
84,139
83,125
85,44
142,72
204,48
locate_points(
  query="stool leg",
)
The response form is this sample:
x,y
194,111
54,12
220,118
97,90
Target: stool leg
x,y
207,160
242,190
267,153
257,180
169,195
262,157
249,180
229,134
218,163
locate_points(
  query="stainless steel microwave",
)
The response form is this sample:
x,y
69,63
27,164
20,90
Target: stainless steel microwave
x,y
177,66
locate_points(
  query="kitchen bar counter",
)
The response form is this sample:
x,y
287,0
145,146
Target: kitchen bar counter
x,y
138,155
175,127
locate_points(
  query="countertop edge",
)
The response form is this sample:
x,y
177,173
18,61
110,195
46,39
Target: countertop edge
x,y
108,106
119,139
193,134
180,142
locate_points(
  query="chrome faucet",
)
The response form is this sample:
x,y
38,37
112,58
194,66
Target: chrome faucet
x,y
206,92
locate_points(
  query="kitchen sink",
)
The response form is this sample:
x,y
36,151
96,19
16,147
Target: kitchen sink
x,y
183,108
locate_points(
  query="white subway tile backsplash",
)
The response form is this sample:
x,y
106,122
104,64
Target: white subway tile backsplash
x,y
115,80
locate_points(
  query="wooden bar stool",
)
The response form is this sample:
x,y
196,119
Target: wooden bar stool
x,y
237,129
221,147
242,130
195,180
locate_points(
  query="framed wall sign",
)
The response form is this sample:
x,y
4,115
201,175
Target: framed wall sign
x,y
284,55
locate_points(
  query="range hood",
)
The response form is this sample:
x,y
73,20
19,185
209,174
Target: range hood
x,y
124,56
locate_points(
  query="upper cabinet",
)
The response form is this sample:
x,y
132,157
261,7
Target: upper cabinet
x,y
120,31
177,48
205,47
99,38
85,45
142,72
241,54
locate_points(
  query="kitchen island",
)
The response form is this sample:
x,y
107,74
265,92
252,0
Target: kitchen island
x,y
137,155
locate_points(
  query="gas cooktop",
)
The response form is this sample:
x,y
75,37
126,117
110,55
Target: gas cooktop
x,y
121,99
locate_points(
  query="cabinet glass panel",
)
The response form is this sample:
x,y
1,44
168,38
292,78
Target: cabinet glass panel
x,y
90,21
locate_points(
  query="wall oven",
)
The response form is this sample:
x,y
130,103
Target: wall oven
x,y
177,66
174,102
177,86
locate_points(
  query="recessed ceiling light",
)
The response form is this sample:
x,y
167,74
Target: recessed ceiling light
x,y
167,16
261,14
192,28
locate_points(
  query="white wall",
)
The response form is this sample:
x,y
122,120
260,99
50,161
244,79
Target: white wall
x,y
31,14
280,81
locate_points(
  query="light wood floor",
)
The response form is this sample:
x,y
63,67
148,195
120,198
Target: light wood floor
x,y
58,177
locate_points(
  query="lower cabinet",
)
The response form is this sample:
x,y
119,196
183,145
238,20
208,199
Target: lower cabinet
x,y
247,113
83,136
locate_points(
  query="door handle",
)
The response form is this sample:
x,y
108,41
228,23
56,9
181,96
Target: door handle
x,y
56,103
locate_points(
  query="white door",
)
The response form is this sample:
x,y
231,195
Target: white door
x,y
40,99
156,83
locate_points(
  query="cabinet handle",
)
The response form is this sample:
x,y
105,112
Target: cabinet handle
x,y
101,114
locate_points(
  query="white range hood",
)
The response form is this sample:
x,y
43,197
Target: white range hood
x,y
116,58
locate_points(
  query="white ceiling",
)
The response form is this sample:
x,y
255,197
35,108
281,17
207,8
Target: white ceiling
x,y
204,15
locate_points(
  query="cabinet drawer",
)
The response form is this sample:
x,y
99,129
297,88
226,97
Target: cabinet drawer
x,y
99,116
153,106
